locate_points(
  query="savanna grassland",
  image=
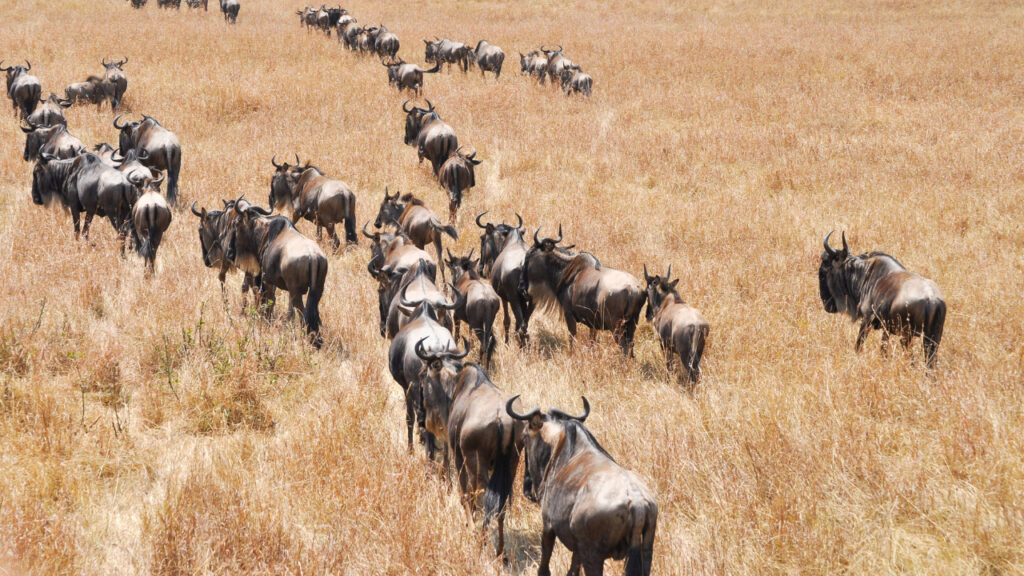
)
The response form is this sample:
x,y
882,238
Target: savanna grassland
x,y
149,427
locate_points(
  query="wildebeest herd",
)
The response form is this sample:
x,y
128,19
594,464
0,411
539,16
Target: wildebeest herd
x,y
229,8
588,501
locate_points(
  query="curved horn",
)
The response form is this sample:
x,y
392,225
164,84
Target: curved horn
x,y
27,130
542,48
405,107
405,301
559,234
430,107
237,203
846,247
273,161
560,49
105,63
536,240
28,65
194,211
367,234
122,62
478,216
669,273
116,157
156,181
423,355
511,411
459,355
121,126
828,249
259,210
2,69
460,299
470,256
297,158
520,218
647,277
586,411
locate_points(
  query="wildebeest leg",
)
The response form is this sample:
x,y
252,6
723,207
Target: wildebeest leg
x,y
570,323
628,335
508,319
410,418
885,343
334,237
75,221
85,226
574,565
593,565
865,328
463,472
267,297
437,249
547,545
296,304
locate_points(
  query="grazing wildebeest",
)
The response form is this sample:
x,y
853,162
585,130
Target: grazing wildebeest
x,y
464,407
425,331
680,327
396,253
197,4
114,81
315,197
502,258
385,43
55,140
481,306
448,52
271,249
433,138
22,88
488,58
597,508
151,217
556,63
108,154
419,223
160,144
214,233
405,76
585,291
415,286
84,184
230,9
575,81
91,91
877,290
49,113
457,175
533,64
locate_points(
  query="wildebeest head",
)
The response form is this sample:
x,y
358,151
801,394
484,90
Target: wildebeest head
x,y
438,376
35,137
493,239
212,228
126,140
831,280
14,71
283,181
114,65
659,288
460,265
45,183
544,262
391,207
431,49
414,120
539,437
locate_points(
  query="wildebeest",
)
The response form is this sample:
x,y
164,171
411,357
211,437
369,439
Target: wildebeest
x,y
396,253
160,144
448,52
457,175
597,508
681,328
405,76
488,58
433,138
533,64
315,197
55,140
114,81
49,113
585,291
574,80
385,43
133,167
214,234
350,33
91,91
481,303
176,4
84,184
108,154
419,223
556,63
276,254
197,4
403,290
22,88
502,258
138,3
151,217
423,331
307,17
877,290
464,407
230,9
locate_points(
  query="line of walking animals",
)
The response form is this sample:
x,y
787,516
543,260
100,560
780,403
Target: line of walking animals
x,y
588,502
229,8
381,42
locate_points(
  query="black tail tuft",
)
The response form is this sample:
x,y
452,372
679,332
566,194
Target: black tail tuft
x,y
318,273
499,487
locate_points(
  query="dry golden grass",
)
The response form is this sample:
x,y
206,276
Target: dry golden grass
x,y
148,428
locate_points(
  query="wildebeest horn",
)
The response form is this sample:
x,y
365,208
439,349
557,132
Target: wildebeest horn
x,y
116,157
297,159
27,130
423,355
258,210
459,299
459,355
430,107
668,274
367,234
122,62
65,102
2,69
142,154
470,256
846,248
511,411
828,249
405,301
647,277
586,411
159,179
116,118
194,211
560,49
105,63
374,271
520,218
451,257
136,179
559,234
28,65
536,240
273,160
236,203
478,216
405,107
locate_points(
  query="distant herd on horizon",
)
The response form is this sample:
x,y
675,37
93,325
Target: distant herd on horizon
x,y
596,508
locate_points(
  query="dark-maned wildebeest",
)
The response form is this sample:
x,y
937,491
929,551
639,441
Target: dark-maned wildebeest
x,y
396,253
55,140
230,9
114,81
23,88
585,291
214,233
424,331
556,63
877,290
50,112
597,508
405,76
151,217
279,256
108,154
457,175
160,144
315,197
197,4
575,81
464,407
481,303
414,286
419,223
533,64
488,58
385,44
84,184
502,257
433,138
681,328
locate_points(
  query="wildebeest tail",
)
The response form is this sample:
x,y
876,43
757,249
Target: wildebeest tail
x,y
317,277
499,487
350,222
173,171
641,542
933,329
449,230
33,98
700,336
436,68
